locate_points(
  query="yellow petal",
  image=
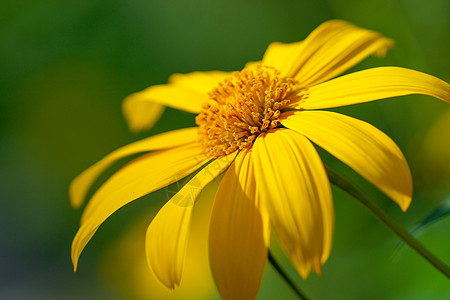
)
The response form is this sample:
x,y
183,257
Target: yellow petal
x,y
142,176
166,242
294,187
252,64
361,146
141,115
337,47
167,234
83,182
328,51
282,56
187,195
373,84
200,82
185,92
132,278
239,231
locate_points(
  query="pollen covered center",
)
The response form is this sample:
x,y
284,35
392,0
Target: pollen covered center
x,y
241,108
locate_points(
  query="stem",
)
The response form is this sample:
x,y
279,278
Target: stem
x,y
286,277
343,183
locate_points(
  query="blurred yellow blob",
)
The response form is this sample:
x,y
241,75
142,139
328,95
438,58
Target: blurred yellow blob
x,y
433,159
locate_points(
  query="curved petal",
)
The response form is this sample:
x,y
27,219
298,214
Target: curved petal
x,y
336,48
373,84
331,49
131,276
252,64
294,187
81,184
239,233
142,176
167,235
166,242
185,92
187,195
361,146
141,115
282,56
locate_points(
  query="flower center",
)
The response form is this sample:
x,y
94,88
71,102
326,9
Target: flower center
x,y
241,108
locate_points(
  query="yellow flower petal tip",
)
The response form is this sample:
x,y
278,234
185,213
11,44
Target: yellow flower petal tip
x,y
257,126
139,114
76,195
406,203
166,243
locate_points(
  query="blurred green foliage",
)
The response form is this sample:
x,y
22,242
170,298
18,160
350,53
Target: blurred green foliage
x,y
65,67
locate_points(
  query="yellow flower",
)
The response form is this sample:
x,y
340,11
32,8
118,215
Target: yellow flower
x,y
256,126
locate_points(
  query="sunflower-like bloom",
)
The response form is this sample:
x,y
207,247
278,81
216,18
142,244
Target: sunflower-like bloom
x,y
256,126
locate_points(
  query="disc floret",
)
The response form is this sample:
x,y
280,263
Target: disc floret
x,y
242,107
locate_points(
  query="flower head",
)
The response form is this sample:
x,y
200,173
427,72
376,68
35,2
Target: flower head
x,y
256,127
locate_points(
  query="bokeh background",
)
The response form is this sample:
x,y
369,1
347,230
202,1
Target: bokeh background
x,y
65,67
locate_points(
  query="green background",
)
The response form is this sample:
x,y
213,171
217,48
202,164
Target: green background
x,y
65,67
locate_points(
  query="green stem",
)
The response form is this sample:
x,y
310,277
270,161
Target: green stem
x,y
338,180
286,277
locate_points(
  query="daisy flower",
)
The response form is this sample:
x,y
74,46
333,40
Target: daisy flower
x,y
257,127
